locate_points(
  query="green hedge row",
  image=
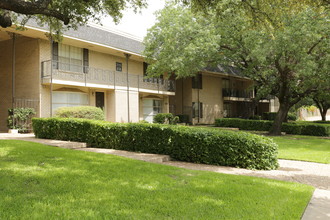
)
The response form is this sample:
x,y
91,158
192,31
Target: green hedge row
x,y
298,128
198,145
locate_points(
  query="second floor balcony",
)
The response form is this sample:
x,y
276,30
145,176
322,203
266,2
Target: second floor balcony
x,y
237,93
70,74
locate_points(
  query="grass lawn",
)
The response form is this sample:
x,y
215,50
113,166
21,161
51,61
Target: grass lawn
x,y
42,182
306,148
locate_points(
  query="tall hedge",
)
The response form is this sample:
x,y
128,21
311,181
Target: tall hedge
x,y
298,128
198,145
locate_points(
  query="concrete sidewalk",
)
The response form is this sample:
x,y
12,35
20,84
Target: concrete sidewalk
x,y
315,174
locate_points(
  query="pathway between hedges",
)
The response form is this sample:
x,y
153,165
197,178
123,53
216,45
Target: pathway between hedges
x,y
314,174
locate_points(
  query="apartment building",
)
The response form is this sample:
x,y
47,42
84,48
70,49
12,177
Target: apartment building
x,y
91,66
217,92
97,67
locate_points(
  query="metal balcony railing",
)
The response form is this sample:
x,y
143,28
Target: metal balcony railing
x,y
237,93
91,75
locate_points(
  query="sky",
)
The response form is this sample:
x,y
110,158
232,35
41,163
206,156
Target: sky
x,y
136,24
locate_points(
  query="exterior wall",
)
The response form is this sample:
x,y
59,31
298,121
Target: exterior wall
x,y
182,100
27,79
211,97
120,106
164,98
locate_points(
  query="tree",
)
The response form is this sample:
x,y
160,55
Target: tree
x,y
322,101
57,13
287,60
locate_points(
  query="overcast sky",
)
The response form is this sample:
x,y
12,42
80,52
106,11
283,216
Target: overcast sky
x,y
137,24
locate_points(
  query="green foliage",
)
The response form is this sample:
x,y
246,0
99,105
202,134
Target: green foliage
x,y
288,59
166,118
255,117
87,112
20,118
292,116
64,14
196,145
183,119
269,116
301,128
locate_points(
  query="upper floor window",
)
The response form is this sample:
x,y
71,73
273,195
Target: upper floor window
x,y
119,67
70,58
197,82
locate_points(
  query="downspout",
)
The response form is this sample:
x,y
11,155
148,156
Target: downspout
x,y
13,76
128,109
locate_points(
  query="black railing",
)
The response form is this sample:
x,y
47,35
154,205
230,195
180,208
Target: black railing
x,y
237,93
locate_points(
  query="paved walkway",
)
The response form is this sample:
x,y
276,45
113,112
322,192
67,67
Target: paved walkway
x,y
315,174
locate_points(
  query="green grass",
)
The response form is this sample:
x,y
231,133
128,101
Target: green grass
x,y
306,148
42,182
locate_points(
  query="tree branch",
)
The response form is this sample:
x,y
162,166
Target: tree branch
x,y
314,45
32,8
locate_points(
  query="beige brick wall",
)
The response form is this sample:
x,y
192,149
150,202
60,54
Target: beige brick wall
x,y
211,97
27,78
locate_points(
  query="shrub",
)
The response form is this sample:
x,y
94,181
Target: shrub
x,y
322,122
20,118
165,118
292,116
269,116
183,119
299,128
87,112
210,146
255,117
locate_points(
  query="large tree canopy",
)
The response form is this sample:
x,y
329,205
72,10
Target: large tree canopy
x,y
70,12
290,61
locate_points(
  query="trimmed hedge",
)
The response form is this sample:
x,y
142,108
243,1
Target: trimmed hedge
x,y
198,145
165,118
87,112
298,128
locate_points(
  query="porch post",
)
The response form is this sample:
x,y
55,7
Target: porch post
x,y
13,76
128,113
51,77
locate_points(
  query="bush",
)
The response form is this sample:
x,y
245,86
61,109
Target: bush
x,y
183,119
292,116
166,118
255,117
301,128
87,112
20,118
198,145
269,116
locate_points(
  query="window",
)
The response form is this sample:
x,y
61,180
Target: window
x,y
197,82
197,108
119,67
227,110
67,99
70,58
151,107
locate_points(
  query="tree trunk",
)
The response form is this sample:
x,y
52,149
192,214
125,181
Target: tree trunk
x,y
324,114
280,118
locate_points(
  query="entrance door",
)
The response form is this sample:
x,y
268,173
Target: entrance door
x,y
99,100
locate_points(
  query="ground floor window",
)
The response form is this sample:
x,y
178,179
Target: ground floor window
x,y
68,99
197,110
151,107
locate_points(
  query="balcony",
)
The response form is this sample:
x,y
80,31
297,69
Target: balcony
x,y
237,94
77,75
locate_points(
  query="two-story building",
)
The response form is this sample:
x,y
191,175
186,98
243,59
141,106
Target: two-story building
x,y
103,68
91,66
215,93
